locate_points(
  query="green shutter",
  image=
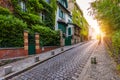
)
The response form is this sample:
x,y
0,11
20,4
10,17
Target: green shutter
x,y
61,14
69,31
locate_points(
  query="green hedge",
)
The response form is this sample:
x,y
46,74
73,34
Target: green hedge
x,y
11,31
48,37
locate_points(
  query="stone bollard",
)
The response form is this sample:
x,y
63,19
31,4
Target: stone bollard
x,y
8,70
52,53
62,49
93,60
37,59
43,48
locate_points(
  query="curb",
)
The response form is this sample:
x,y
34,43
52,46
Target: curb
x,y
11,75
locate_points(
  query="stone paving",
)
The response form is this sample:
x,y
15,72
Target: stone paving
x,y
66,66
22,64
103,70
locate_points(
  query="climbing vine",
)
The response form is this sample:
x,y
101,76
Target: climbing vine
x,y
30,18
33,9
79,19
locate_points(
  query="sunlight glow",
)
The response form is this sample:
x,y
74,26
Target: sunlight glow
x,y
98,34
84,5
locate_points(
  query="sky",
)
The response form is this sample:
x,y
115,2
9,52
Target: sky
x,y
84,5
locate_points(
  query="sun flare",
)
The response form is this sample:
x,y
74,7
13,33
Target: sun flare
x,y
97,34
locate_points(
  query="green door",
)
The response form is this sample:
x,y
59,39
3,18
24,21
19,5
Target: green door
x,y
31,44
68,40
62,27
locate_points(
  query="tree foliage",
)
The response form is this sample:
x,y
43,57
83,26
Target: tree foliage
x,y
107,13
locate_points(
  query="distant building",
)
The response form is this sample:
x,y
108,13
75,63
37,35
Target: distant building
x,y
76,18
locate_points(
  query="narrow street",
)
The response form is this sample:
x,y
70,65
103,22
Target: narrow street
x,y
59,40
72,65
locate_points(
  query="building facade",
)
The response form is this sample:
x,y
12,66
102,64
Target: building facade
x,y
78,19
67,17
63,17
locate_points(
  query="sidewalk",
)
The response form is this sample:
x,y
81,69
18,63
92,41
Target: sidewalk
x,y
30,61
105,69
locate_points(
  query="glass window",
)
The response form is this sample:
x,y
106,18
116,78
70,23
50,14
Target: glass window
x,y
23,6
48,1
61,14
42,15
63,3
69,21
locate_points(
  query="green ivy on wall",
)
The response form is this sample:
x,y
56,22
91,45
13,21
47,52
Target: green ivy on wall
x,y
14,23
33,9
50,11
79,19
76,16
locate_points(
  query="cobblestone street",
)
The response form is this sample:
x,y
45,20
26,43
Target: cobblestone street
x,y
73,65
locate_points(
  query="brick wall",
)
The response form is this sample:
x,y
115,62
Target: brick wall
x,y
47,48
12,52
19,52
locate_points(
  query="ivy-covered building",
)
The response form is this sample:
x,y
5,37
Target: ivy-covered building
x,y
36,15
53,14
32,12
79,20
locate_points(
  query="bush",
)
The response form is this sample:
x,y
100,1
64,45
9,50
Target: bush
x,y
48,37
11,31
